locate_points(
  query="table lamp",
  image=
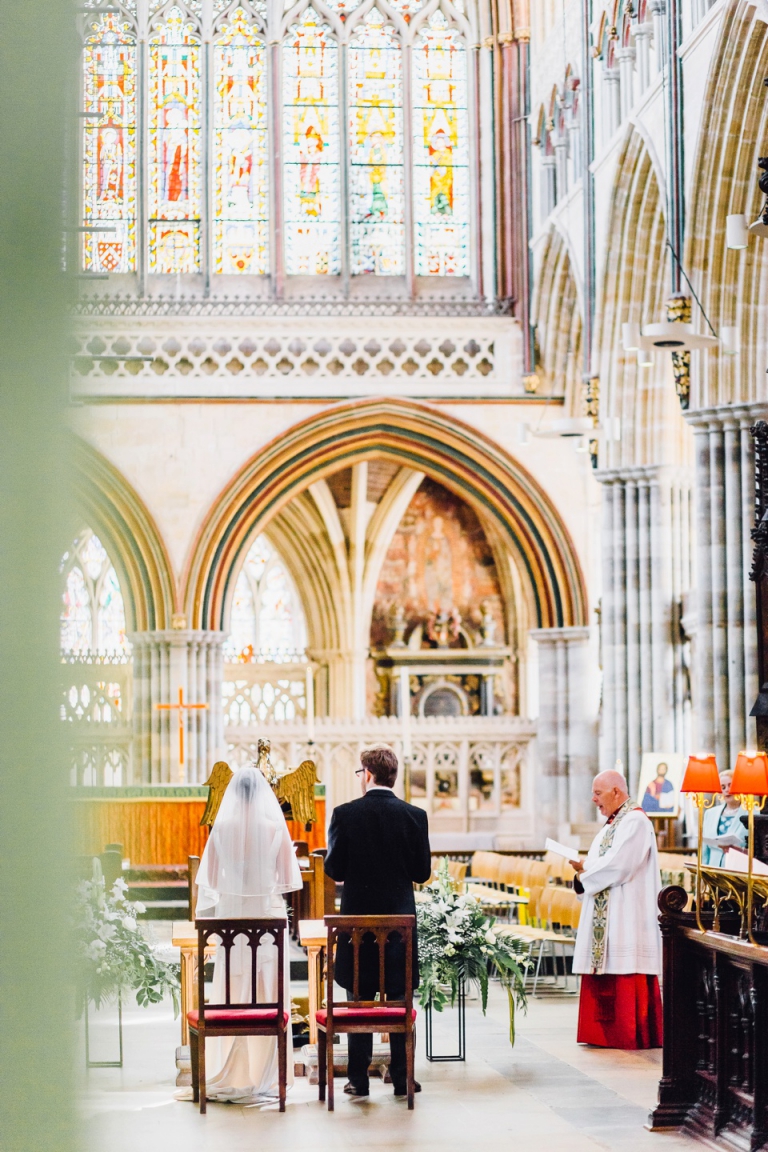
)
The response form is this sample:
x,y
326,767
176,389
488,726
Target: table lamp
x,y
700,781
750,782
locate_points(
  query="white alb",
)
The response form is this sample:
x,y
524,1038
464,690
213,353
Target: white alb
x,y
630,872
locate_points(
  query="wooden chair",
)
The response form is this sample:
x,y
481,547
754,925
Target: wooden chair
x,y
235,1018
358,1015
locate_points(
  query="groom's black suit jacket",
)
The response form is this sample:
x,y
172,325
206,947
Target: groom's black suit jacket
x,y
379,847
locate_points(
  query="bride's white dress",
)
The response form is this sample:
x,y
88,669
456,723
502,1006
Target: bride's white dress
x,y
247,865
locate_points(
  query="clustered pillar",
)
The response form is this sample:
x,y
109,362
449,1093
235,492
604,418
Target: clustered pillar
x,y
644,651
163,663
725,680
566,735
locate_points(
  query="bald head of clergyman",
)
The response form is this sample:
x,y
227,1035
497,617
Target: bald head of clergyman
x,y
609,791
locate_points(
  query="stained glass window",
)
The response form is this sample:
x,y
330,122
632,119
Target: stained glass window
x,y
376,149
93,611
174,146
240,182
311,148
440,151
266,616
340,165
109,146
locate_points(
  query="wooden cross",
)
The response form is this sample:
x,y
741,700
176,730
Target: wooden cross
x,y
182,707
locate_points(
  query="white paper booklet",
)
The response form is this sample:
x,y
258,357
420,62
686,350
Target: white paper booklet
x,y
737,860
561,849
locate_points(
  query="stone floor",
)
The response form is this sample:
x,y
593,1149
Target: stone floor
x,y
547,1093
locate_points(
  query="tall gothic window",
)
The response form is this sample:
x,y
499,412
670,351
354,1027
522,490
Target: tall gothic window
x,y
109,146
343,149
93,612
174,168
266,619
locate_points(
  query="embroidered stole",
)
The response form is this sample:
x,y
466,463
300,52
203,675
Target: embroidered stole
x,y
600,912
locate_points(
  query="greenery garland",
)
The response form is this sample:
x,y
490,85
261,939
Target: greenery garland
x,y
458,942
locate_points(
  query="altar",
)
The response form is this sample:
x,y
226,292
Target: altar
x,y
158,823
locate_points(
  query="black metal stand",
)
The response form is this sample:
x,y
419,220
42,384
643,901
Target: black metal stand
x,y
461,1006
105,1063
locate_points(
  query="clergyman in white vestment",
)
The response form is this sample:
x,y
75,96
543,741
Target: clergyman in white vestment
x,y
248,864
618,944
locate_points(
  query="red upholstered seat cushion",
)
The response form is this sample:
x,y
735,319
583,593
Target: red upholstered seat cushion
x,y
374,1016
244,1017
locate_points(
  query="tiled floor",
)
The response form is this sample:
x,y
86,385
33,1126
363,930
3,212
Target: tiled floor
x,y
547,1094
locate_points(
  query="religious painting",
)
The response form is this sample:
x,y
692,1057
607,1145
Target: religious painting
x,y
661,775
174,146
311,147
240,183
439,574
441,151
109,146
377,230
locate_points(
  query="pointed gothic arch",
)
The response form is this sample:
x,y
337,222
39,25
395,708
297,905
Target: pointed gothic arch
x,y
118,516
416,436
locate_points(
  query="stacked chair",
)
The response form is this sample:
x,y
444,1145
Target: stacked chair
x,y
540,892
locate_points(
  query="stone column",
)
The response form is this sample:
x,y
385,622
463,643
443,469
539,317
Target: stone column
x,y
548,185
658,11
567,736
643,35
612,102
561,165
626,58
724,671
645,575
163,663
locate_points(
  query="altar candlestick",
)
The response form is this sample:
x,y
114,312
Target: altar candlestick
x,y
310,697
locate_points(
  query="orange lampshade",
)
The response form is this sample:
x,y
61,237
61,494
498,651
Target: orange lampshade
x,y
750,776
701,775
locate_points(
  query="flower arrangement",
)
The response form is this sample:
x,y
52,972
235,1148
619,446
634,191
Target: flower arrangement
x,y
114,954
458,942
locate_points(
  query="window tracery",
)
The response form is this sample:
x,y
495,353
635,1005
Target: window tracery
x,y
363,168
174,145
93,611
266,617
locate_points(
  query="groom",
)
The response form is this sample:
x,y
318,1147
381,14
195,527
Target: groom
x,y
379,847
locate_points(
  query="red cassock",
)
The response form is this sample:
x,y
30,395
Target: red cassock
x,y
620,1011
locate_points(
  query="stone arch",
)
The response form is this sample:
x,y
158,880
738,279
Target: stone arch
x,y
732,285
634,287
112,508
422,439
557,314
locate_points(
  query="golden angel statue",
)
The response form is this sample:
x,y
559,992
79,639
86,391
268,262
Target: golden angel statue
x,y
217,782
294,789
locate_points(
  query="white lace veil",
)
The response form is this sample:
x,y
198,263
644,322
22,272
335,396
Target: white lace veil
x,y
249,851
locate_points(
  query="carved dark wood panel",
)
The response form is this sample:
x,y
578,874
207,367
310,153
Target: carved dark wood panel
x,y
759,574
715,1078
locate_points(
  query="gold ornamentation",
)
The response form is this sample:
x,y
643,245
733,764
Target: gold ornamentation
x,y
217,782
297,788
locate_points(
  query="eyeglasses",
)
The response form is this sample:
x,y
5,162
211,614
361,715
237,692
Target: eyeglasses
x,y
360,771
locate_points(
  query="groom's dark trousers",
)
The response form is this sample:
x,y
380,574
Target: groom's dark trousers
x,y
379,847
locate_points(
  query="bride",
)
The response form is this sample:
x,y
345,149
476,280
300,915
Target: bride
x,y
247,865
